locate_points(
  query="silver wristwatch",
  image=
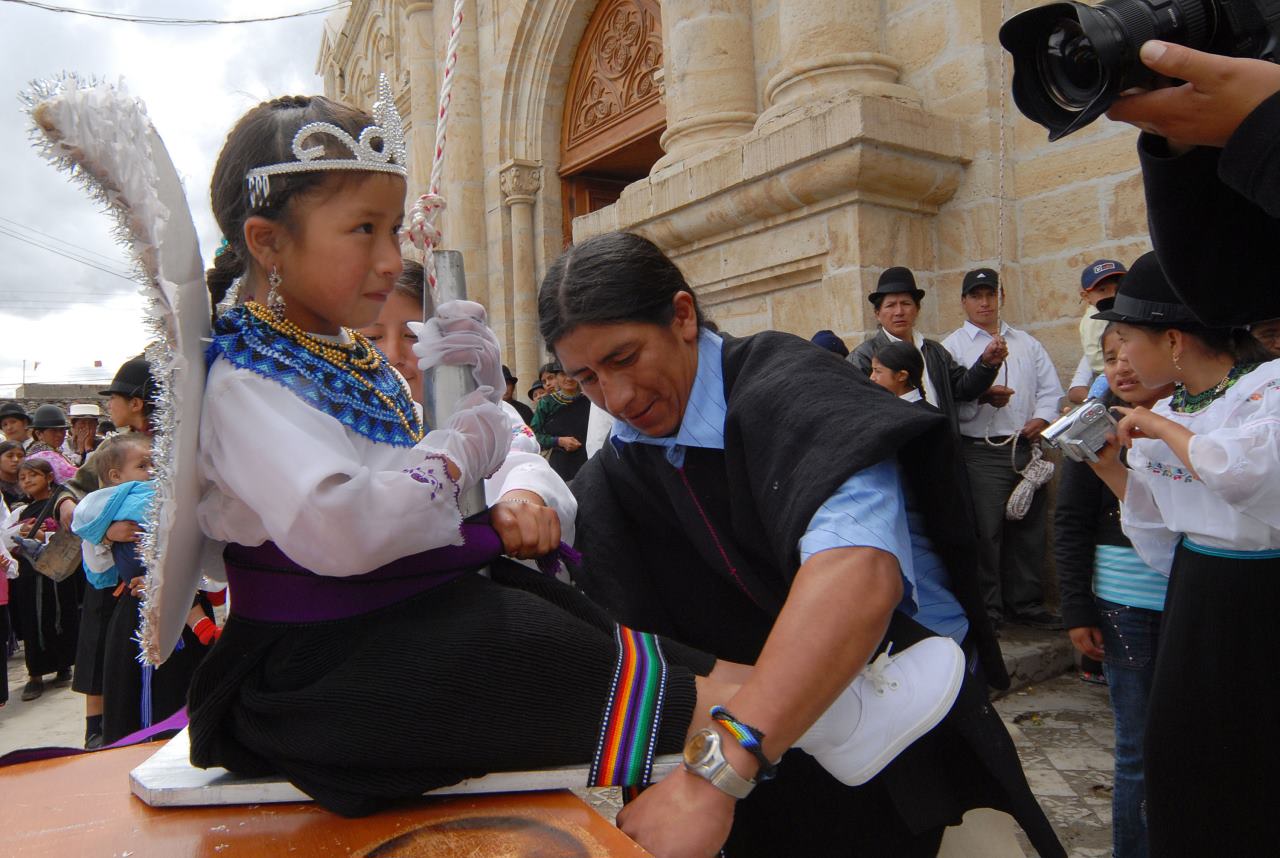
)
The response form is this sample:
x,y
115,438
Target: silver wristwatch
x,y
704,758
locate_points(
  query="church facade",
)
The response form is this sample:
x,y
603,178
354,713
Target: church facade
x,y
783,152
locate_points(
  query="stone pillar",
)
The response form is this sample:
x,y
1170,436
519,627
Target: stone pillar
x,y
521,181
828,48
423,92
709,75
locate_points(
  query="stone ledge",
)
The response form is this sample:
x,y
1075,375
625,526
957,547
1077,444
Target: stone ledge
x,y
1032,656
877,149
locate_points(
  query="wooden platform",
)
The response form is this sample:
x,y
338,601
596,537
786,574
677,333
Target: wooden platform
x,y
82,806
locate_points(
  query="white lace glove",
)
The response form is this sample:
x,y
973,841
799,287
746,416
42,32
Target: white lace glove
x,y
458,336
476,438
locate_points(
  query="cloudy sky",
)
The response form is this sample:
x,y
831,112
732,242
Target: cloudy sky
x,y
196,81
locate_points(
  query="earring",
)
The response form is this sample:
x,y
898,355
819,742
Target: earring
x,y
275,301
1176,365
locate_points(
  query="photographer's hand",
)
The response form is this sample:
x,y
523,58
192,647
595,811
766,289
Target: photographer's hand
x,y
1110,469
1206,110
1143,423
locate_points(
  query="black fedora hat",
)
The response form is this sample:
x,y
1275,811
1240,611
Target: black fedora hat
x,y
50,417
1146,298
13,409
133,378
896,281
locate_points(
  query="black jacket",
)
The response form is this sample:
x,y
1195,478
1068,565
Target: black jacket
x,y
1213,218
706,554
953,382
1087,515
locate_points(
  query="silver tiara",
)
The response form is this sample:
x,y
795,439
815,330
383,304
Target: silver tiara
x,y
387,130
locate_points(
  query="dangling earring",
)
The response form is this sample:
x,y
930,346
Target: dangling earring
x,y
275,301
1176,365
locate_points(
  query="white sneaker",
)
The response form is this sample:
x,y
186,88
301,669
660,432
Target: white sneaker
x,y
894,701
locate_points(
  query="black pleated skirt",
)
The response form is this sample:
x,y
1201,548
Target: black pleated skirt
x,y
1213,732
95,617
478,675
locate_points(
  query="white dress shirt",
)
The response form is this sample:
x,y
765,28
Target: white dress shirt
x,y
276,468
1234,504
1027,369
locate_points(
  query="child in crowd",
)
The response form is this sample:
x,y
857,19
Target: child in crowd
x,y
131,695
354,611
899,368
560,423
47,612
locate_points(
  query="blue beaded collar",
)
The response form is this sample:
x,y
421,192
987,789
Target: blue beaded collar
x,y
360,390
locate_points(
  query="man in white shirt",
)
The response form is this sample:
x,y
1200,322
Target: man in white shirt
x,y
1011,553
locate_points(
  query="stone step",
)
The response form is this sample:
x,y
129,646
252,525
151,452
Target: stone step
x,y
1033,655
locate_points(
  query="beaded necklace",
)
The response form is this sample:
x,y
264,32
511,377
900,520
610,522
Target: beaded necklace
x,y
349,381
1189,403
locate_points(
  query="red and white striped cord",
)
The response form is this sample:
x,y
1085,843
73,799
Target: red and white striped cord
x,y
422,230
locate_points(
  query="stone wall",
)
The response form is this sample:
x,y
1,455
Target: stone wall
x,y
811,144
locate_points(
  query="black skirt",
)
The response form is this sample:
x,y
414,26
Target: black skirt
x,y
1213,732
95,617
478,675
48,616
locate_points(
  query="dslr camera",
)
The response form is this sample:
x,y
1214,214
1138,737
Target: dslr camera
x,y
1083,432
1072,60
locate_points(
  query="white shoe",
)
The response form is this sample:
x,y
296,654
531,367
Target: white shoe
x,y
894,701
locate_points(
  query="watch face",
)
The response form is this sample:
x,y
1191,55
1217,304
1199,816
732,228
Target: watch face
x,y
699,748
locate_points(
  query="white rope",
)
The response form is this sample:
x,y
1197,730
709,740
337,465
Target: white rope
x,y
1001,215
422,230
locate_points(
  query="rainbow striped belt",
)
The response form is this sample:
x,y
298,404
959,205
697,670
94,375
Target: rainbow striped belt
x,y
629,728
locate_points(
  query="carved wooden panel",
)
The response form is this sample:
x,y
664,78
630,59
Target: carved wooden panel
x,y
612,98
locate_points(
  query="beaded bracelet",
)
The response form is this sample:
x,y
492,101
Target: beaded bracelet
x,y
749,738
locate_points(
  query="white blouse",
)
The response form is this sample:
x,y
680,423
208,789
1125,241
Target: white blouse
x,y
1235,503
275,468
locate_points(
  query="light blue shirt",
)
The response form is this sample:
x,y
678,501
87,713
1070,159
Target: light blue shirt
x,y
868,510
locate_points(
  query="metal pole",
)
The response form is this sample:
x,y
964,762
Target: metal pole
x,y
444,386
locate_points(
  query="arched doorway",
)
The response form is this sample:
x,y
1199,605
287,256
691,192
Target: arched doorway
x,y
613,115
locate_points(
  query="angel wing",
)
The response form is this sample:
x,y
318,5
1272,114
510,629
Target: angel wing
x,y
101,136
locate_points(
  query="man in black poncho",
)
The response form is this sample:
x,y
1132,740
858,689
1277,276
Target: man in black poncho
x,y
765,527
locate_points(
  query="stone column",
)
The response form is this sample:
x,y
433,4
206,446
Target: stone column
x,y
423,92
708,71
829,48
521,181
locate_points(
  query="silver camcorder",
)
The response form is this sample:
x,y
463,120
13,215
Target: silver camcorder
x,y
1083,432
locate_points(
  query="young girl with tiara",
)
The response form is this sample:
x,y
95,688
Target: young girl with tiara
x,y
362,658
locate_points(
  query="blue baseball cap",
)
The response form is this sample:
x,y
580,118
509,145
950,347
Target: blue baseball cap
x,y
1096,272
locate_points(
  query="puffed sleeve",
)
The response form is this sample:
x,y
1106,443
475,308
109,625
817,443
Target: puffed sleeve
x,y
297,469
525,469
1142,522
1241,464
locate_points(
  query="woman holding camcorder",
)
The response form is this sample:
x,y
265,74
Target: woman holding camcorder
x,y
1200,499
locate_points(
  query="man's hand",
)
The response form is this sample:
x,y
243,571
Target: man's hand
x,y
1088,640
1206,110
568,443
1033,427
528,527
681,816
995,352
997,396
123,531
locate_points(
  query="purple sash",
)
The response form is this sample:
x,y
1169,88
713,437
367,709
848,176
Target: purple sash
x,y
266,585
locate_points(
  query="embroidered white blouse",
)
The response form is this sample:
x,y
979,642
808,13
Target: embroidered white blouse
x,y
1235,503
275,468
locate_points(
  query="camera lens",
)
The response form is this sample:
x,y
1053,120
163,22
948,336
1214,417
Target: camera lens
x,y
1069,66
1071,60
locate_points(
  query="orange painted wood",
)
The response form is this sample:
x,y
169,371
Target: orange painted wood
x,y
82,806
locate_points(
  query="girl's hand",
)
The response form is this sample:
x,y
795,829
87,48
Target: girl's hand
x,y
123,531
528,527
1088,640
137,586
1139,423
